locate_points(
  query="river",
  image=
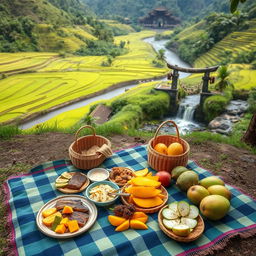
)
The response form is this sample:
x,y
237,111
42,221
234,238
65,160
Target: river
x,y
171,58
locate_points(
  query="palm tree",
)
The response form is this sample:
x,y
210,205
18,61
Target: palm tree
x,y
223,79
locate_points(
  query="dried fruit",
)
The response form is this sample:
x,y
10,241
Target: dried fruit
x,y
125,211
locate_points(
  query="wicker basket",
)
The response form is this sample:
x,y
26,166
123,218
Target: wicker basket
x,y
84,143
161,162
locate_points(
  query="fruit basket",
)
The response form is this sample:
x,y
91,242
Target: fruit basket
x,y
76,149
161,162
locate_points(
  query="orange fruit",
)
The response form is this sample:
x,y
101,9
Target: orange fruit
x,y
175,149
161,148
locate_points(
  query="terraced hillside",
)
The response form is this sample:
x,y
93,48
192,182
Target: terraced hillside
x,y
68,79
68,39
234,43
11,63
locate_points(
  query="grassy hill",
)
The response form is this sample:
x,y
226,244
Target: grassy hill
x,y
40,11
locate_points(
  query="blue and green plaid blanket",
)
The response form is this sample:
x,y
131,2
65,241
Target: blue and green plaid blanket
x,y
28,193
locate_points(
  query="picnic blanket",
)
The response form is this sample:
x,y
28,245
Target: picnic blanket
x,y
29,192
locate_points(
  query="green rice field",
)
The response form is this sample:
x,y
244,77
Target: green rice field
x,y
67,79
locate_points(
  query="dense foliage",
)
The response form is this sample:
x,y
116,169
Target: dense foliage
x,y
134,9
100,47
15,33
216,26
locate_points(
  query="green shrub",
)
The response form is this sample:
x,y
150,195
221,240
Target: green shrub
x,y
118,104
129,117
214,106
181,93
100,47
8,131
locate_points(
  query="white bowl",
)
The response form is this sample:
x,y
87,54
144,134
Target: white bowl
x,y
98,174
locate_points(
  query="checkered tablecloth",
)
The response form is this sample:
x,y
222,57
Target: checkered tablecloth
x,y
28,193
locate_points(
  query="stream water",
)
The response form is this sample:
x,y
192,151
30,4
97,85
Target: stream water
x,y
185,114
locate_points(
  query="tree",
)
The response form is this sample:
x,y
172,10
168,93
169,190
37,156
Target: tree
x,y
234,4
160,55
223,79
250,134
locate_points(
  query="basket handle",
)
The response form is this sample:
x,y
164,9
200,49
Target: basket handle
x,y
165,122
83,127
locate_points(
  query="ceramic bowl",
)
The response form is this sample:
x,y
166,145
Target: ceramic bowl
x,y
100,171
106,182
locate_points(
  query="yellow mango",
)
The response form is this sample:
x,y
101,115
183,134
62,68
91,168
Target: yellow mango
x,y
145,181
136,224
115,220
65,221
141,173
50,219
61,228
144,192
123,226
147,202
73,226
67,209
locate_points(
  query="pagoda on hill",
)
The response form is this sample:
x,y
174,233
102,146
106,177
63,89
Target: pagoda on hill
x,y
159,17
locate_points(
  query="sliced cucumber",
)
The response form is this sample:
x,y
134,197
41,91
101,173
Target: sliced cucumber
x,y
183,208
181,230
169,214
192,223
61,185
171,223
193,213
66,175
173,206
61,180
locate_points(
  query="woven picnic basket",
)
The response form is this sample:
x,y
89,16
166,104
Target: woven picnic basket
x,y
161,162
85,162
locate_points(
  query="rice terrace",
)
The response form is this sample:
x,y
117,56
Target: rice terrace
x,y
128,127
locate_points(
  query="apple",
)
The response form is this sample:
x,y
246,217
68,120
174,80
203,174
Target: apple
x,y
164,178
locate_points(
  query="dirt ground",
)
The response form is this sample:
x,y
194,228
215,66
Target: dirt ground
x,y
236,166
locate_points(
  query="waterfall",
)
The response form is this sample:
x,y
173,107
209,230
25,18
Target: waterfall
x,y
187,108
189,113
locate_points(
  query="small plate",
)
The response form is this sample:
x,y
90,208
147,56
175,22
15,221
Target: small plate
x,y
73,191
48,232
147,210
195,234
121,167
